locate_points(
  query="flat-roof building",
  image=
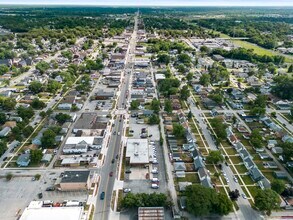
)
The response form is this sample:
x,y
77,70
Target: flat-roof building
x,y
151,213
137,151
36,211
75,180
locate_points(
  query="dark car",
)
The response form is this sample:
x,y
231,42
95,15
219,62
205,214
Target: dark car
x,y
40,195
226,164
113,160
117,156
102,196
111,173
128,171
5,158
50,188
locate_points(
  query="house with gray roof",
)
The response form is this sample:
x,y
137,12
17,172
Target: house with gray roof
x,y
23,160
179,166
255,174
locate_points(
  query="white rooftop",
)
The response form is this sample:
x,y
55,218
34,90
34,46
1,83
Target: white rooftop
x,y
138,151
35,211
77,140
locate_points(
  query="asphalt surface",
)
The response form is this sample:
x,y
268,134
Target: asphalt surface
x,y
106,184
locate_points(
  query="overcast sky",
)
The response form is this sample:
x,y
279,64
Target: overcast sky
x,y
156,2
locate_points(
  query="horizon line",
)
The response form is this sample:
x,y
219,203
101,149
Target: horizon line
x,y
142,5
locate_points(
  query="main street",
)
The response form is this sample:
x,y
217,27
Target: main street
x,y
103,207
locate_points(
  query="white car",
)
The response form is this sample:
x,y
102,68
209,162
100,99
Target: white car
x,y
155,171
126,190
244,196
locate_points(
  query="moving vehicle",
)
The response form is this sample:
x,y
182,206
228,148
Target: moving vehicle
x,y
51,188
102,196
244,196
118,133
111,173
117,156
113,160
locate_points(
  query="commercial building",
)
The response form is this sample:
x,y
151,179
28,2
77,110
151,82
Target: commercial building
x,y
137,152
89,122
75,180
36,211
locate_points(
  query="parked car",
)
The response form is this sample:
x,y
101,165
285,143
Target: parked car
x,y
126,190
111,173
113,160
244,196
128,171
154,171
40,195
155,186
102,196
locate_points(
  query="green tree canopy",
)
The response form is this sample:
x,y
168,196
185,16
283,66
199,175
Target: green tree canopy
x,y
205,79
178,130
48,139
256,139
36,156
215,157
267,200
36,87
278,186
168,106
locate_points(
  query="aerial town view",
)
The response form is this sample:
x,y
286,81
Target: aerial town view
x,y
146,110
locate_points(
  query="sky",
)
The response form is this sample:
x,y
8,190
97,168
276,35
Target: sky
x,y
155,2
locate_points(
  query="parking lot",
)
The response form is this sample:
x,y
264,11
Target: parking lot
x,y
16,194
153,130
20,191
137,181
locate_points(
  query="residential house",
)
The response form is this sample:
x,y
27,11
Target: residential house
x,y
179,166
5,131
277,150
182,185
23,160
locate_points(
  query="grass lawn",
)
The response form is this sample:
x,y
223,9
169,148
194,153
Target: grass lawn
x,y
253,190
231,151
247,179
211,168
241,169
269,175
236,159
189,177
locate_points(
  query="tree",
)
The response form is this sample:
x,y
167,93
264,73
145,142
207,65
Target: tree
x,y
163,58
134,105
43,114
2,118
145,200
168,106
155,105
3,69
62,118
288,150
199,200
256,139
35,87
218,98
48,139
224,205
178,130
205,79
290,69
36,156
283,87
53,86
215,157
234,195
189,115
184,93
3,147
42,66
8,176
219,127
7,103
37,104
267,200
27,131
154,119
189,76
204,49
202,201
259,105
278,186
25,113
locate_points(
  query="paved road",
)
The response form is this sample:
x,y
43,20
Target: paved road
x,y
102,207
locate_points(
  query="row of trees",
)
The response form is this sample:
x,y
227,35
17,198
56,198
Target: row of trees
x,y
145,200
